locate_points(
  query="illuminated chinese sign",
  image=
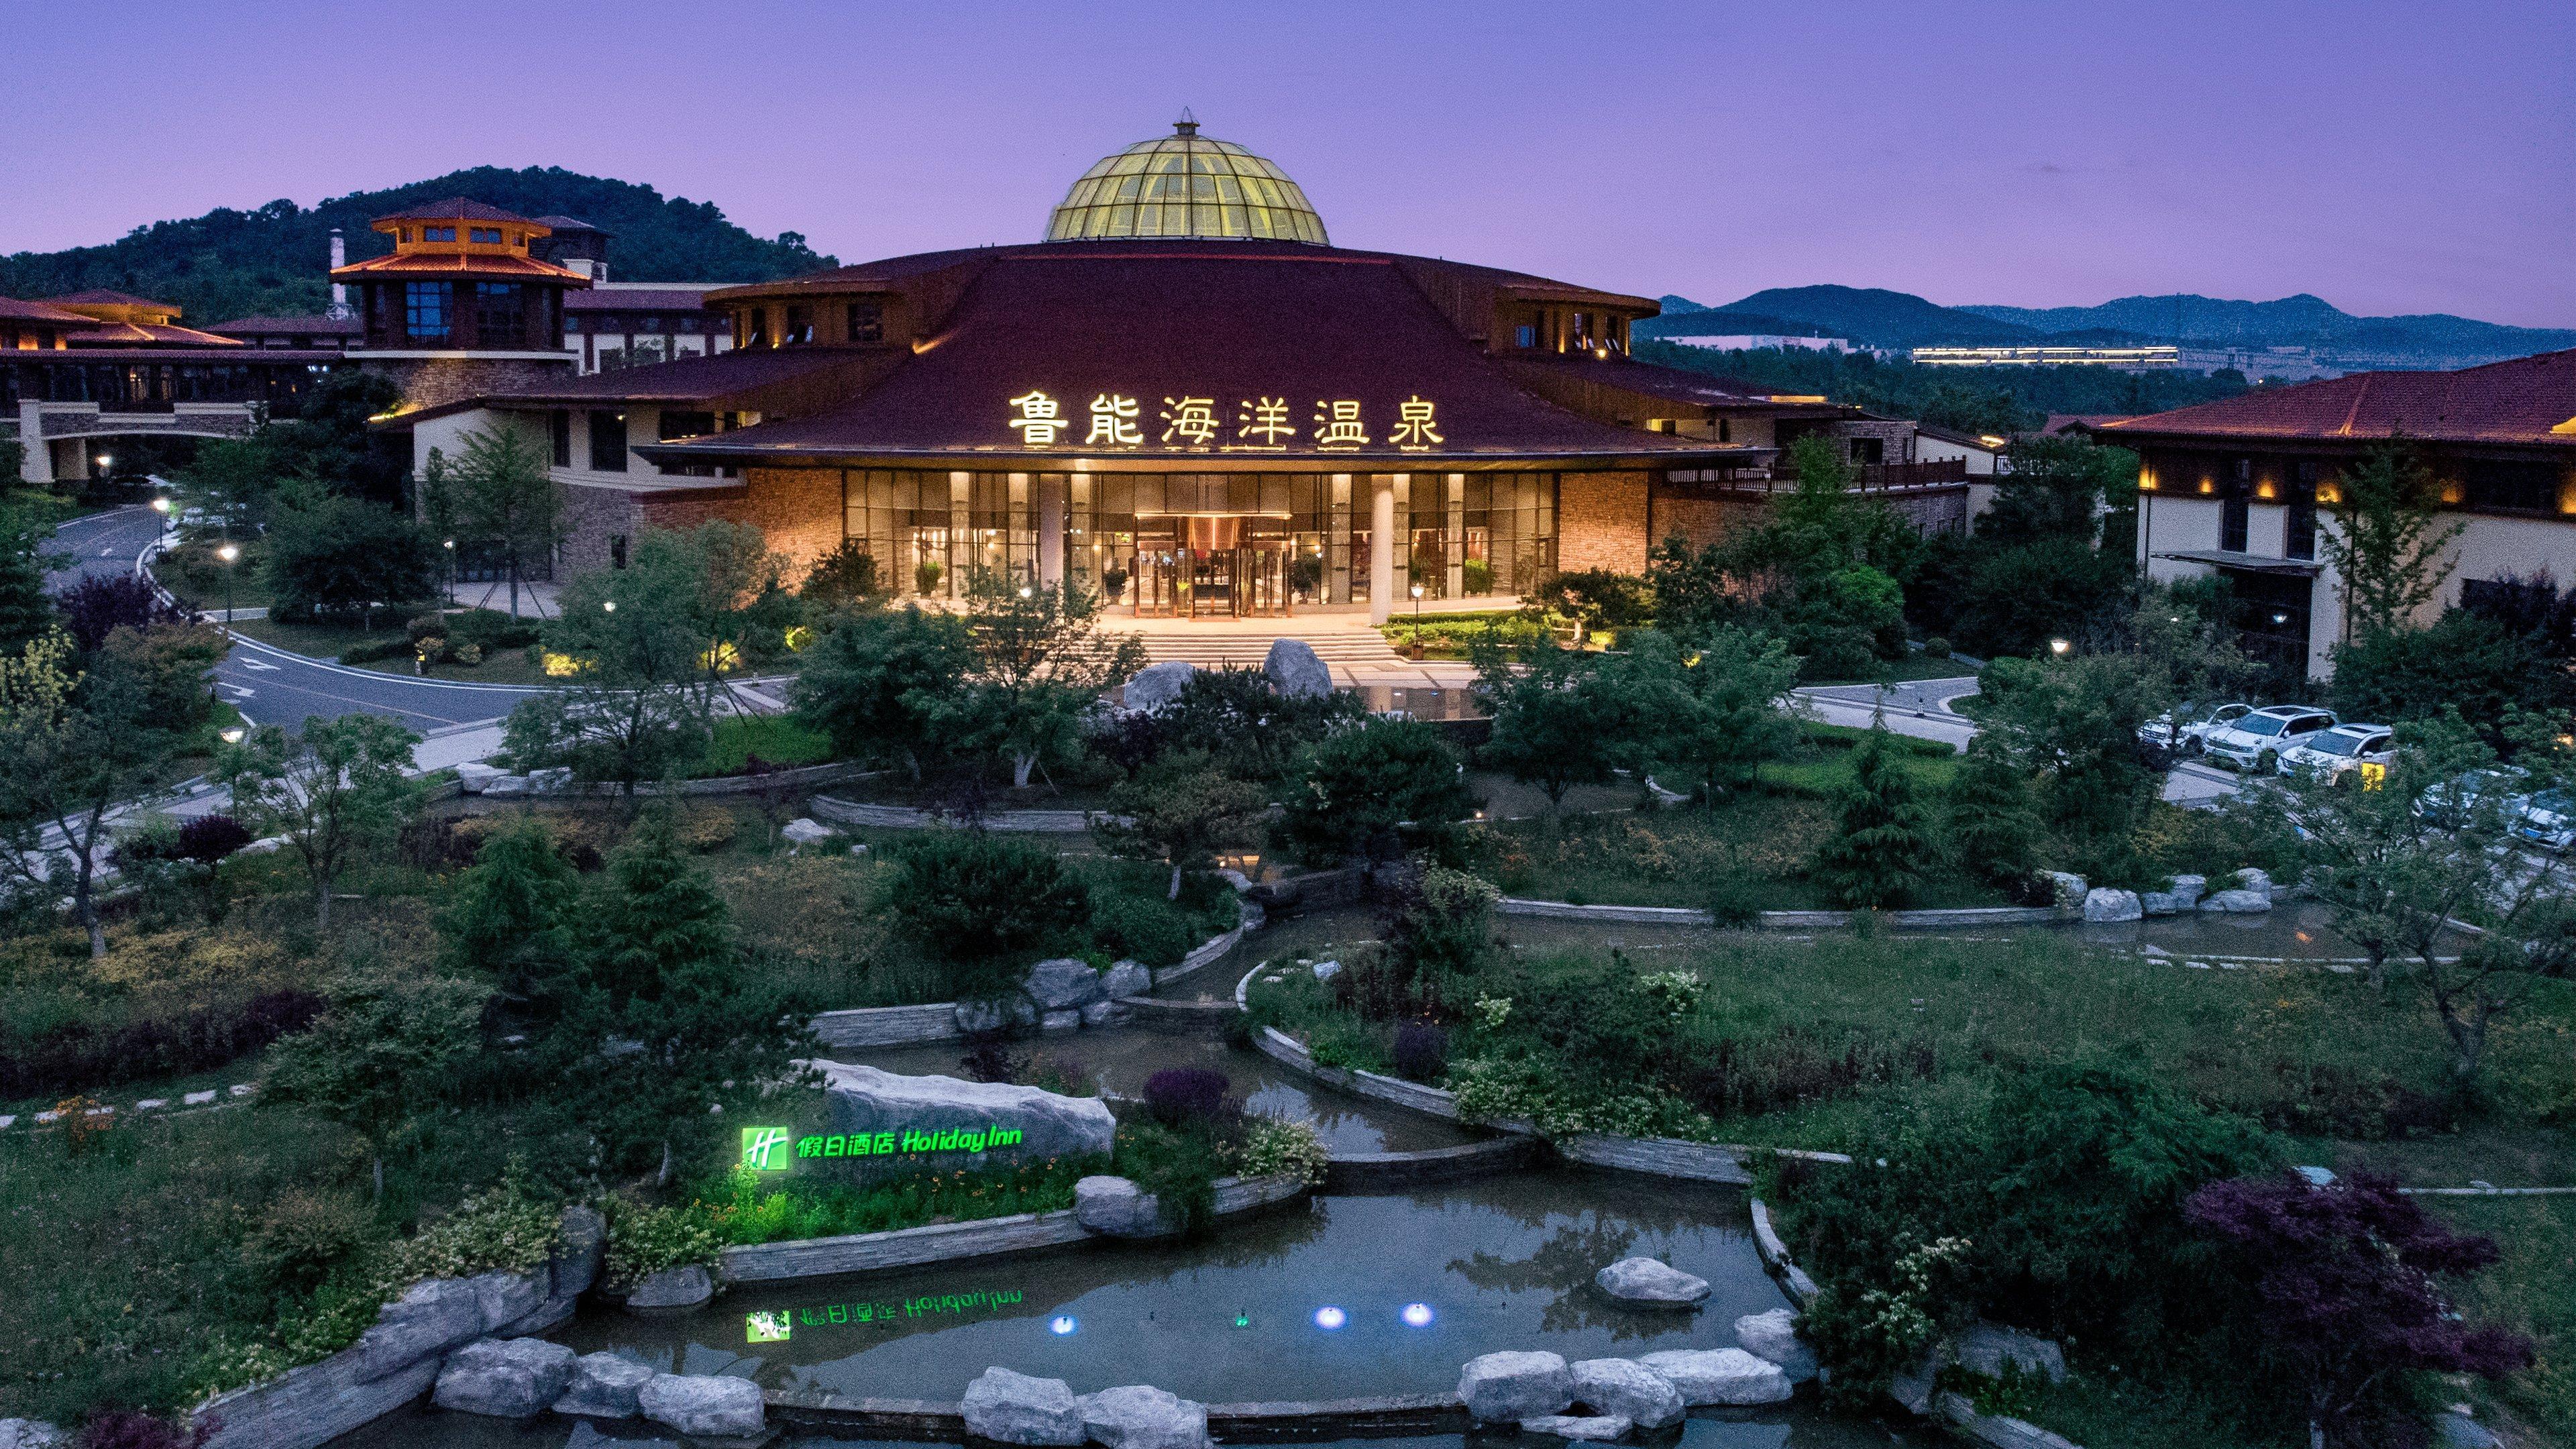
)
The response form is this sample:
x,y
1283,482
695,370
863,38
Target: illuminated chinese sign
x,y
764,1149
1189,424
776,1325
908,1140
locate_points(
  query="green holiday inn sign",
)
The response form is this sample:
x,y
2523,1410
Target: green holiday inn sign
x,y
768,1149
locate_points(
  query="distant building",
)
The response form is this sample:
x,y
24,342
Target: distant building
x,y
1756,341
2243,488
2147,358
2286,364
636,324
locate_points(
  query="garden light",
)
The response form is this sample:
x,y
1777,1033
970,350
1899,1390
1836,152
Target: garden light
x,y
2059,646
608,606
1062,1324
1329,1318
228,552
1417,1315
161,505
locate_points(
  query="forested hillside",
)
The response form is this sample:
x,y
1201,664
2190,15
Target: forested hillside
x,y
273,260
1979,400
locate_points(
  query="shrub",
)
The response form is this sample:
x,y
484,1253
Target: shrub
x,y
130,1429
1276,1148
1183,1096
78,1059
1421,1051
1936,647
1148,930
970,897
98,606
1363,791
643,1241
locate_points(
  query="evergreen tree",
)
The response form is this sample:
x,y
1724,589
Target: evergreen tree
x,y
661,926
1991,820
509,913
25,611
1877,854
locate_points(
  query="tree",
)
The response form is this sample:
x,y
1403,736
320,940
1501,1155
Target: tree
x,y
1988,811
334,556
336,793
1249,728
25,612
1041,664
2464,661
506,492
100,604
510,913
75,747
232,480
1182,810
846,577
333,440
1598,598
740,605
635,641
875,679
2346,1306
1711,710
2387,539
974,898
1877,853
2056,488
383,1055
660,921
1360,792
1560,718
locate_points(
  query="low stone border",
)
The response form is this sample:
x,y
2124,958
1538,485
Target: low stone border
x,y
1787,920
1278,1422
906,817
832,773
880,1026
1362,1171
947,1242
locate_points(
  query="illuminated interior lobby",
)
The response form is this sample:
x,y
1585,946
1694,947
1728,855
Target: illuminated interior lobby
x,y
1186,397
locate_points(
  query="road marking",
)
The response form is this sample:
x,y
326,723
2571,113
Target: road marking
x,y
261,667
241,693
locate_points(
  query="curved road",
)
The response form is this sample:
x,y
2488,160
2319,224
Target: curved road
x,y
270,685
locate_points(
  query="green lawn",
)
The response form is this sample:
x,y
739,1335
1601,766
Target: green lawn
x,y
776,739
329,641
2532,1290
1909,669
203,581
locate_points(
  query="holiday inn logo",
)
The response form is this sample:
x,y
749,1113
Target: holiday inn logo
x,y
764,1149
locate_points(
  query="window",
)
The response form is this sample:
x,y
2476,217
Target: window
x,y
402,235
2300,530
2232,512
438,233
484,236
608,442
867,322
559,424
1525,335
498,315
1725,431
799,329
746,326
425,311
1869,450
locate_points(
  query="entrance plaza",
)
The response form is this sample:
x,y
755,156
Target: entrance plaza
x,y
1186,401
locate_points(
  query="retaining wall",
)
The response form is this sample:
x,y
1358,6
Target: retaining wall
x,y
905,817
1789,920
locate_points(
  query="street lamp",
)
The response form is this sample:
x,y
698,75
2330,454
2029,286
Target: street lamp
x,y
2059,646
608,606
1416,591
449,544
161,505
228,551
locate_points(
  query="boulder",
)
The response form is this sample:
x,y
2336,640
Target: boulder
x,y
1774,1336
2106,905
976,1017
2259,882
1295,670
553,781
1645,1280
576,1261
604,1385
2161,903
2237,903
703,1405
1010,1408
1057,1023
1629,1389
1327,970
1596,1428
1720,1376
943,1123
1140,1416
1126,978
673,1290
1987,1349
1157,685
431,1317
1509,1387
803,832
30,1434
2188,889
1106,1013
2068,891
2451,1429
505,785
1116,1207
474,775
1062,984
506,1378
506,1297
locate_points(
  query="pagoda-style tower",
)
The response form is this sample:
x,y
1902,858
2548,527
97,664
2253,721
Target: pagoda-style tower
x,y
462,305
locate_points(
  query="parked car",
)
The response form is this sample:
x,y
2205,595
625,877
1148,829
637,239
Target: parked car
x,y
2455,803
2255,740
2183,732
2342,754
2548,819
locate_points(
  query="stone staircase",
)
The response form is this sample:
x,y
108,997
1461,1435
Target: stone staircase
x,y
1246,649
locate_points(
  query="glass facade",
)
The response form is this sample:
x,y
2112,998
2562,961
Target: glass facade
x,y
1186,185
1204,543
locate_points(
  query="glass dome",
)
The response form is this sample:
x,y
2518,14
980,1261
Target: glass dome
x,y
1185,184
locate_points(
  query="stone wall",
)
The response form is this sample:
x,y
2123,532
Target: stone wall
x,y
1601,522
429,382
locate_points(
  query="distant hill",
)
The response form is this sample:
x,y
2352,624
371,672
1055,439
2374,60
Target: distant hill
x,y
2300,321
1871,315
273,260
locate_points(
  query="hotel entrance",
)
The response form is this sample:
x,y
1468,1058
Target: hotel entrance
x,y
1206,567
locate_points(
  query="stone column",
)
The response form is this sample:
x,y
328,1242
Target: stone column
x,y
1381,546
1051,529
38,469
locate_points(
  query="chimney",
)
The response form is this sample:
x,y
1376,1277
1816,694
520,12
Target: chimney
x,y
339,291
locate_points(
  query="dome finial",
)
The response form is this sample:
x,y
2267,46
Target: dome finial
x,y
1187,125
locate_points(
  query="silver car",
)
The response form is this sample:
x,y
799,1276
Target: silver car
x,y
2256,740
2186,735
2341,754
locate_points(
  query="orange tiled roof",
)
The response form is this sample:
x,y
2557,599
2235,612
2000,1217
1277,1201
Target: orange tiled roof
x,y
459,264
456,208
2522,400
149,334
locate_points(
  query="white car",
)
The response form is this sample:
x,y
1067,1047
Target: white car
x,y
2336,753
2257,738
2185,735
2548,819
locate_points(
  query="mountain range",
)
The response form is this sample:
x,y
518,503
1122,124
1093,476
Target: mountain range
x,y
273,260
1879,318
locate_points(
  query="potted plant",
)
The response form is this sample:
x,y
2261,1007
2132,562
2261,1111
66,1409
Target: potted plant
x,y
926,576
1113,585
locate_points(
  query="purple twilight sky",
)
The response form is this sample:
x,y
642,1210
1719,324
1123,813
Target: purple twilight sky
x,y
2388,157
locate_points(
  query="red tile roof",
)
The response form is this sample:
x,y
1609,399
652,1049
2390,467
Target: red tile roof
x,y
103,297
2525,400
454,208
1227,322
129,334
1672,384
14,310
315,325
500,265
